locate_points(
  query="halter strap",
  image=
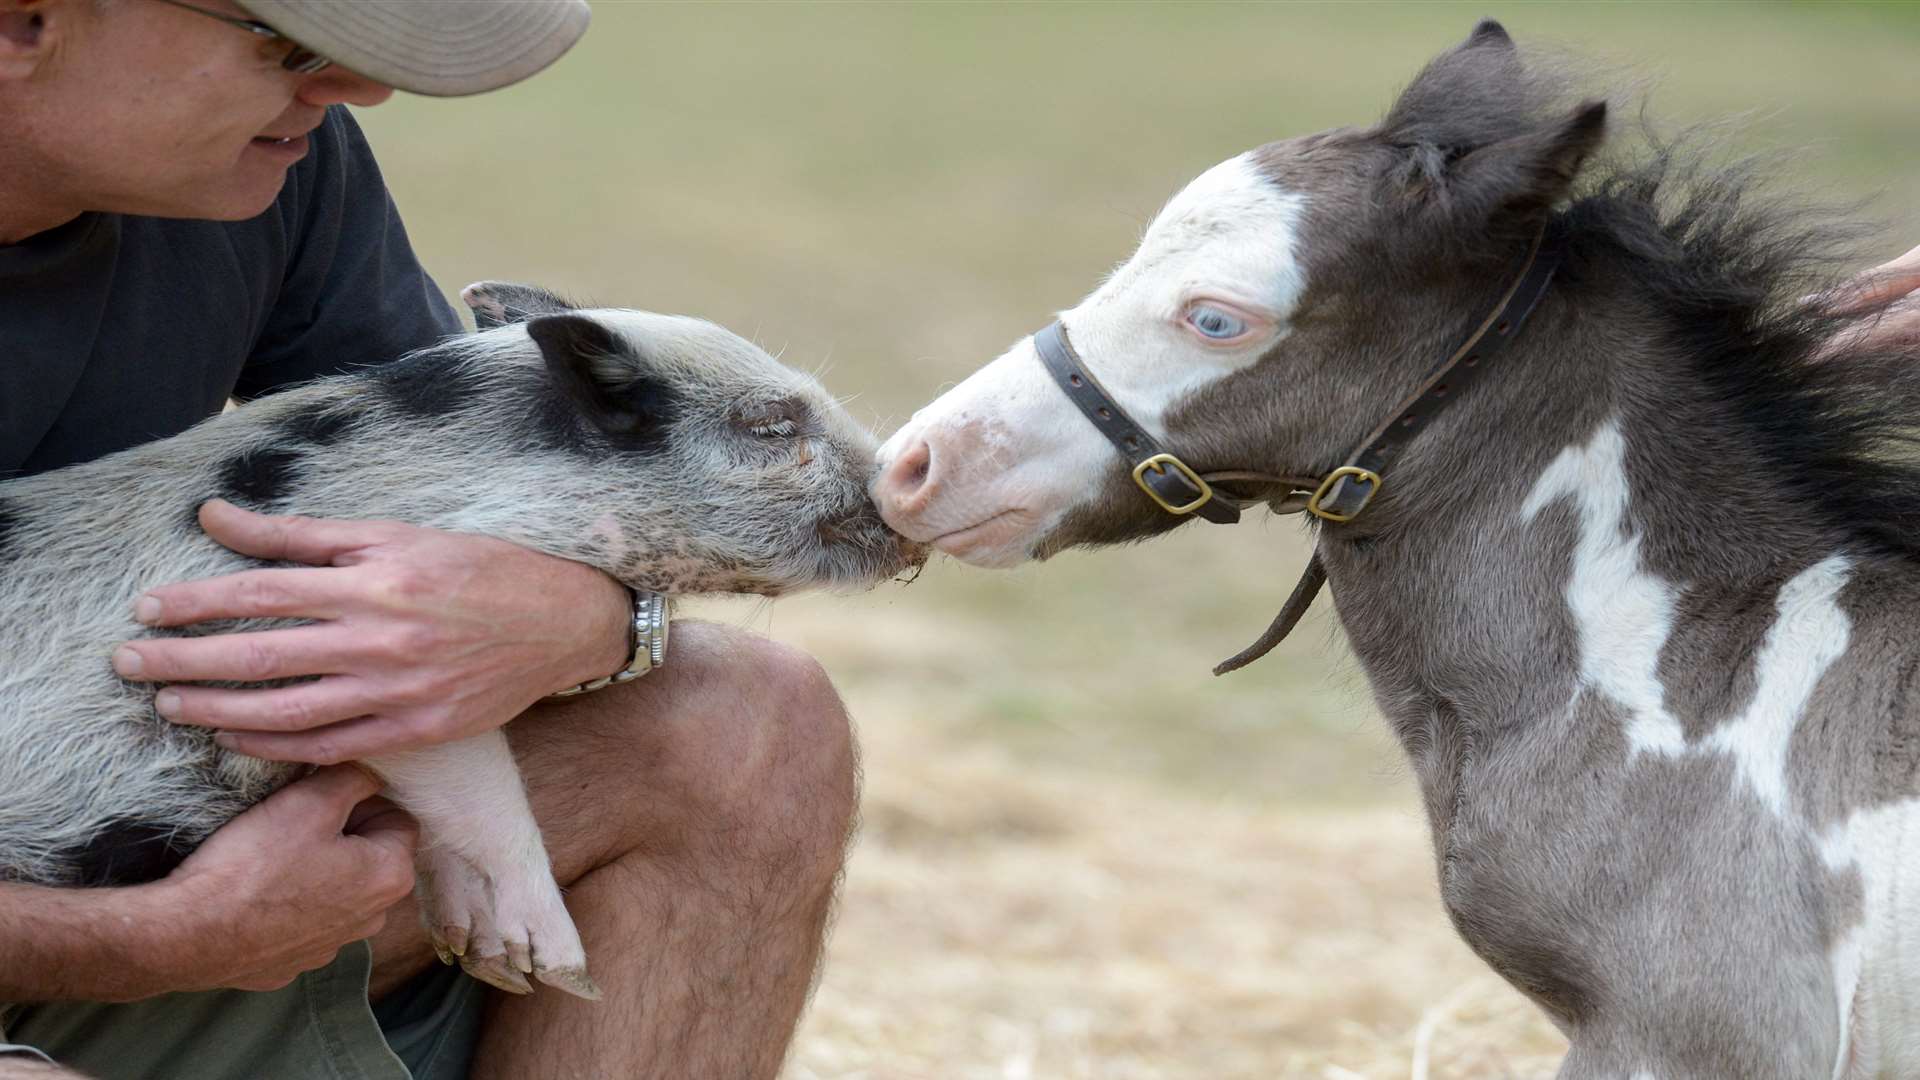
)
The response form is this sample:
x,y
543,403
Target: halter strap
x,y
1167,480
1338,496
1347,490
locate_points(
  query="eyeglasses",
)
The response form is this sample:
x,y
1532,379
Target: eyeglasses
x,y
299,58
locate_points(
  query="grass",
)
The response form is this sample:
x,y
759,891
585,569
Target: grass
x,y
1071,868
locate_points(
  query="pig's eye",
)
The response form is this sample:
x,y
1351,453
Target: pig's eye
x,y
783,428
782,419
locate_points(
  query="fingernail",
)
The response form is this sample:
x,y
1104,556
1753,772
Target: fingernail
x,y
226,742
127,663
167,704
147,610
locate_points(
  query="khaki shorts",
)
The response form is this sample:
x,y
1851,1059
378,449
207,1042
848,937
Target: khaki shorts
x,y
319,1028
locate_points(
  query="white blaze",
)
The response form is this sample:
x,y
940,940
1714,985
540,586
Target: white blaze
x,y
1008,447
1231,234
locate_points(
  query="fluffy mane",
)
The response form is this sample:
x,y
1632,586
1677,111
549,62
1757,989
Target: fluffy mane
x,y
1732,264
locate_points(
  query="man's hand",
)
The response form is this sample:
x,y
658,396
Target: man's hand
x,y
1896,285
420,636
281,888
275,892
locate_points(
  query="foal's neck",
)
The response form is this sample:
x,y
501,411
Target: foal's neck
x,y
1595,440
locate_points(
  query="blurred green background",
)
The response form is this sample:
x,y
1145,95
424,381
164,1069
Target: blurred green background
x,y
890,194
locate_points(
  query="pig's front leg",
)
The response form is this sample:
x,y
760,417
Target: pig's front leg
x,y
487,893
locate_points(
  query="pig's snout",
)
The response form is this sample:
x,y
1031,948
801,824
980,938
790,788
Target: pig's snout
x,y
862,532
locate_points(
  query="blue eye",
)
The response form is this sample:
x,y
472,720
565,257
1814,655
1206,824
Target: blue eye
x,y
1215,323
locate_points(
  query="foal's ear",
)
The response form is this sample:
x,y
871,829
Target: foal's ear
x,y
1522,177
605,379
1471,139
1472,94
1488,32
497,303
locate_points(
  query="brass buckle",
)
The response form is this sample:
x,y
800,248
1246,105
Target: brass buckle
x,y
1156,462
1371,478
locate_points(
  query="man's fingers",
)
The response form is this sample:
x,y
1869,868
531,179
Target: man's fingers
x,y
348,740
286,593
254,657
393,834
316,541
1885,282
370,809
328,796
301,707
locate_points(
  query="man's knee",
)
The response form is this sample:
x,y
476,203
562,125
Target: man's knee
x,y
779,768
739,747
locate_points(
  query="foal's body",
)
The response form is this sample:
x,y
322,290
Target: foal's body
x,y
1642,602
1666,747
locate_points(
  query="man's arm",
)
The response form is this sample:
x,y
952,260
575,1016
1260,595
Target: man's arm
x,y
420,636
276,892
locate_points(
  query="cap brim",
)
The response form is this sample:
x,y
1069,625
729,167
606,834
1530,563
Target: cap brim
x,y
440,47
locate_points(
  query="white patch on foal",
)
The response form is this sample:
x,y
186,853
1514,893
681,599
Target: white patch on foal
x,y
1879,1006
1624,615
1809,633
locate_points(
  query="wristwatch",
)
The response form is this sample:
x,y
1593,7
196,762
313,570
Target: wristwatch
x,y
648,637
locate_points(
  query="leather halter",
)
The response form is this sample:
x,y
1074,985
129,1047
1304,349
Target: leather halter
x,y
1166,479
1340,495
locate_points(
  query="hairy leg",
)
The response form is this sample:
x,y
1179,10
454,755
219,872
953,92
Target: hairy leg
x,y
699,817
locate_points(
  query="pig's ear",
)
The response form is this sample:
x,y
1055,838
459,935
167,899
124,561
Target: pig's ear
x,y
605,380
497,303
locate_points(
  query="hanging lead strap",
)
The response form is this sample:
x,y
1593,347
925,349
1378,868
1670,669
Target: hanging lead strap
x,y
1283,623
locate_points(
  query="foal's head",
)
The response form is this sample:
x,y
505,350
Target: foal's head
x,y
1272,310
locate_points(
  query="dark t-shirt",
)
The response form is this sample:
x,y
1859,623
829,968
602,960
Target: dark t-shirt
x,y
118,330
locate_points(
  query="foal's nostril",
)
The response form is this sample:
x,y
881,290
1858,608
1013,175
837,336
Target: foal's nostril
x,y
911,473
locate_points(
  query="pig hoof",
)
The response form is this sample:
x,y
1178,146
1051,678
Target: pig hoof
x,y
440,950
521,956
503,922
572,980
496,972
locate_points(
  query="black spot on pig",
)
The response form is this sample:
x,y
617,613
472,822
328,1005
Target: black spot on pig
x,y
598,378
423,385
322,428
260,477
128,853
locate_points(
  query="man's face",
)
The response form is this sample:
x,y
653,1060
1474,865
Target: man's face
x,y
141,107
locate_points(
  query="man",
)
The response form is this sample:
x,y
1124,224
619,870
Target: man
x,y
187,213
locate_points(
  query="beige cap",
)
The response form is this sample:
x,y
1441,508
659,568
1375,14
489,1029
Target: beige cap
x,y
440,47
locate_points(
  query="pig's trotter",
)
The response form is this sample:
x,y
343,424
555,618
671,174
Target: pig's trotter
x,y
497,973
502,927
